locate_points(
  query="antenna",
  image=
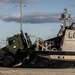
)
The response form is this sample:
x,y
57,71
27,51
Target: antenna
x,y
63,16
65,12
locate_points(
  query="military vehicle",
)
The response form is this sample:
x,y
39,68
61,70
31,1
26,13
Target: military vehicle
x,y
60,48
19,48
15,49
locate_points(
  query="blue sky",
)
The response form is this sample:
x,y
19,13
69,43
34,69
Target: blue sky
x,y
40,17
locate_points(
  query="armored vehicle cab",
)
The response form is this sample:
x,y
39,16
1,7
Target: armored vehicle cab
x,y
15,49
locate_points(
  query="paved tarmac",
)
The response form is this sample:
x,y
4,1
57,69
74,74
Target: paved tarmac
x,y
37,71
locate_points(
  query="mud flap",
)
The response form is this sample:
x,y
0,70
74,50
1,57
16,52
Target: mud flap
x,y
19,63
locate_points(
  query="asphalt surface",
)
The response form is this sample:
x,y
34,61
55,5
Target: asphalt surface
x,y
62,68
37,71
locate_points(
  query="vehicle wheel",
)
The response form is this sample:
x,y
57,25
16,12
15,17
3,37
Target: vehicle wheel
x,y
54,49
8,61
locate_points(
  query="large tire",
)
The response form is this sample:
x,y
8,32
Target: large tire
x,y
8,61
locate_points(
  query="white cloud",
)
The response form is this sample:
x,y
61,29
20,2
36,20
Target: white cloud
x,y
17,1
36,17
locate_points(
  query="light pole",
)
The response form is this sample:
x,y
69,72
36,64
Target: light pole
x,y
20,16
